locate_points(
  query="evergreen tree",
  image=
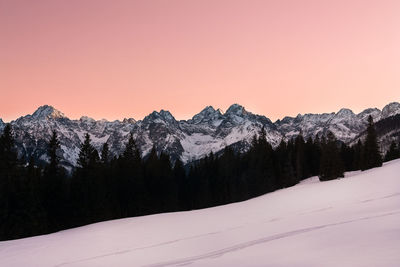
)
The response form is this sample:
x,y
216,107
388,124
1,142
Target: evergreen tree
x,y
347,156
88,155
180,179
301,164
37,219
371,156
261,173
54,198
20,211
105,154
8,189
53,147
316,156
85,184
285,169
131,152
331,164
358,155
8,155
131,185
393,152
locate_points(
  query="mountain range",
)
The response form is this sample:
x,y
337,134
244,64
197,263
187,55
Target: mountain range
x,y
211,130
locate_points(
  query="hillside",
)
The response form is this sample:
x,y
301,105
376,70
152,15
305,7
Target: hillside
x,y
353,221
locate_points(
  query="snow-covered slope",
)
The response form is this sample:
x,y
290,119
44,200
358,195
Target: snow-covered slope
x,y
354,221
210,130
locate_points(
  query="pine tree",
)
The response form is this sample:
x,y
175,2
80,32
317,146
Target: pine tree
x,y
8,189
301,168
262,176
8,155
347,156
393,152
316,156
54,193
371,156
105,154
131,188
180,179
131,152
85,184
286,176
53,147
88,155
358,155
331,164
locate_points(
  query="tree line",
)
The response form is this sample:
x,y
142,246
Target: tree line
x,y
38,199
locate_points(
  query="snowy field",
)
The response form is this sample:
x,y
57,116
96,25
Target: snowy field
x,y
353,221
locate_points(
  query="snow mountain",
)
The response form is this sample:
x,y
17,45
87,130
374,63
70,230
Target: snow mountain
x,y
211,130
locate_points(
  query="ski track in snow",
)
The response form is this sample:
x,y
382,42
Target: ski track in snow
x,y
221,252
379,198
244,245
145,247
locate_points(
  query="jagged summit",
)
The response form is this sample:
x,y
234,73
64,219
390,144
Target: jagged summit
x,y
207,110
345,112
208,114
129,120
391,109
374,112
47,112
86,119
167,115
236,109
162,116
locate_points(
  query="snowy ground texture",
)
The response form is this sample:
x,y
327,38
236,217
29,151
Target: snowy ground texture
x,y
353,221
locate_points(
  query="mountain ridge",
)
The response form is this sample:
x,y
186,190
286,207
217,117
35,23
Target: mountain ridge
x,y
210,130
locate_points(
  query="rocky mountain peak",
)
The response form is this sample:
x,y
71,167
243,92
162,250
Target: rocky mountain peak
x,y
236,109
86,119
166,115
47,112
129,120
391,109
374,112
345,112
206,115
162,116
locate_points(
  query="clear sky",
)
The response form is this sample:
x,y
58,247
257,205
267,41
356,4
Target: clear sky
x,y
116,59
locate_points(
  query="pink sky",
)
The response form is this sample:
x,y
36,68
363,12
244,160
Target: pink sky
x,y
116,59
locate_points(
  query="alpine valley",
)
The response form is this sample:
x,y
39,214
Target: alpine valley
x,y
211,130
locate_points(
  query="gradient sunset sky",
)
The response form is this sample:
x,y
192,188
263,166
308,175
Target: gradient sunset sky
x,y
116,59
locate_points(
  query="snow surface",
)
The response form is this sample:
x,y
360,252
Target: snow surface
x,y
354,221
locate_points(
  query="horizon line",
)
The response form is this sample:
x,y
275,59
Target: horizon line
x,y
207,106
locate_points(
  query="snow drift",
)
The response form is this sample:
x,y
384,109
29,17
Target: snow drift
x,y
354,221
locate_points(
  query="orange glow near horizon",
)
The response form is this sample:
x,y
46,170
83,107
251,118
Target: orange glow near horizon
x,y
116,59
